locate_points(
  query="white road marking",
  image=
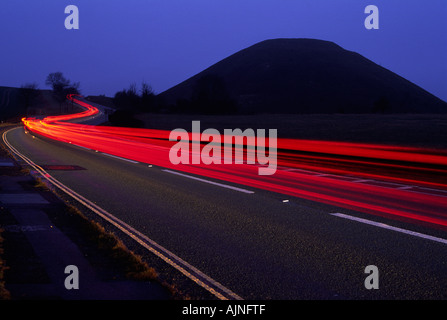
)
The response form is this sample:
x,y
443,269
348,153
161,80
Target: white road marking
x,y
360,180
210,182
385,226
81,146
405,188
435,190
383,184
116,157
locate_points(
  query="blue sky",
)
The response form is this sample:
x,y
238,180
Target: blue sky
x,y
164,42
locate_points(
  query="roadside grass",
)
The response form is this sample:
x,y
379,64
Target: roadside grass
x,y
103,248
135,268
111,249
73,220
39,184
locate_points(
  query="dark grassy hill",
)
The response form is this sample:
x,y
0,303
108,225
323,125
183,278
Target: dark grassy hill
x,y
308,76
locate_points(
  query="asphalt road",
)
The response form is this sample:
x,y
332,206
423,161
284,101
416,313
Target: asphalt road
x,y
255,244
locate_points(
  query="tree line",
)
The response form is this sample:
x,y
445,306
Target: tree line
x,y
209,96
60,85
134,100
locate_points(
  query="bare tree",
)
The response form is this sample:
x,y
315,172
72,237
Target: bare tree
x,y
148,102
61,86
146,89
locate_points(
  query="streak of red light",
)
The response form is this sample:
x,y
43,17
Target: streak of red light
x,y
152,146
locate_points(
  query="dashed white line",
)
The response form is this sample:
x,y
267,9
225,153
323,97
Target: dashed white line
x,y
431,189
80,146
209,181
405,188
360,180
383,184
116,157
385,226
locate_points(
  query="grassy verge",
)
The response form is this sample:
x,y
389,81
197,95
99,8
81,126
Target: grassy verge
x,y
102,248
87,232
106,242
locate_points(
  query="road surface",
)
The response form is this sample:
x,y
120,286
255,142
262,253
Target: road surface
x,y
261,244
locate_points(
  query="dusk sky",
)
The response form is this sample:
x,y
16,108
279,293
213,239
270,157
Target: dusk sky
x,y
163,42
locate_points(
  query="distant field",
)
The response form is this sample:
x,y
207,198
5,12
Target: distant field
x,y
402,129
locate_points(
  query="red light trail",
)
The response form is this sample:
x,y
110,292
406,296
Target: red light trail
x,y
348,175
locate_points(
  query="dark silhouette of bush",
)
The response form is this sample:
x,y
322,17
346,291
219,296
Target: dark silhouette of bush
x,y
129,99
61,86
